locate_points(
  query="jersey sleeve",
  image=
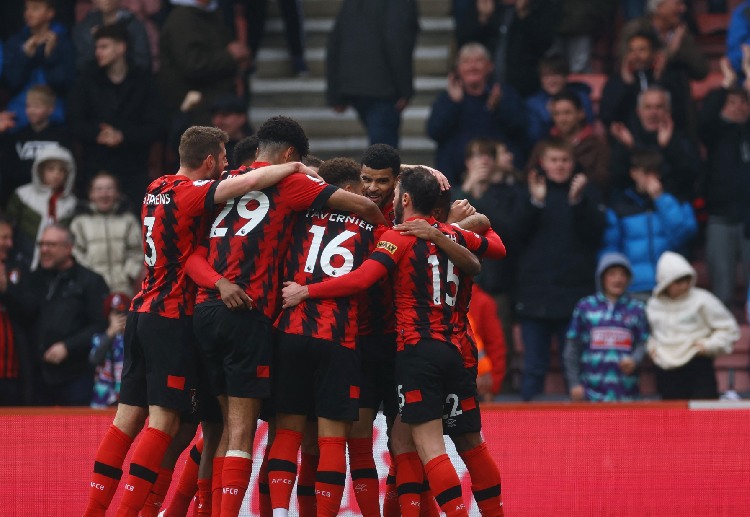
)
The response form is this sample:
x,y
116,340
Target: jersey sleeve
x,y
301,192
358,280
199,270
390,247
488,245
197,196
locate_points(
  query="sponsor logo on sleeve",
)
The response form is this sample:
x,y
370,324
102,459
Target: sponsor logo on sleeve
x,y
387,246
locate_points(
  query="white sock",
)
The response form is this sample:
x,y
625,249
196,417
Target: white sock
x,y
280,512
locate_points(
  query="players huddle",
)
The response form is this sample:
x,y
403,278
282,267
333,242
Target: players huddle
x,y
312,311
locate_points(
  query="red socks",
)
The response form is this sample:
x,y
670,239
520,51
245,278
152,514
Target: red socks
x,y
390,501
107,471
409,480
446,486
187,484
485,480
234,479
216,487
427,505
158,493
331,476
143,472
364,476
282,466
308,467
203,499
264,493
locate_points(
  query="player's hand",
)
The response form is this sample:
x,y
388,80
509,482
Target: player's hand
x,y
577,393
293,294
56,354
627,365
460,210
304,169
418,228
233,296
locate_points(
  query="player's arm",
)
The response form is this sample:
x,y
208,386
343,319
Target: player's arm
x,y
478,223
488,244
201,272
366,208
362,278
461,257
257,179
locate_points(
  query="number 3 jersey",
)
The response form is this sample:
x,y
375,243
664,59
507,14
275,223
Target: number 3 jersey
x,y
326,244
173,216
250,235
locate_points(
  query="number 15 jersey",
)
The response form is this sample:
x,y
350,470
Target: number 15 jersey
x,y
250,235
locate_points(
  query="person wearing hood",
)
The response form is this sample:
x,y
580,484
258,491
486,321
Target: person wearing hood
x,y
108,236
689,328
47,199
607,337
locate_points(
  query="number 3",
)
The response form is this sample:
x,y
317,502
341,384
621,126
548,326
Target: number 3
x,y
150,257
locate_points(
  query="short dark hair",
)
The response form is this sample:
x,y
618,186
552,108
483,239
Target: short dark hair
x,y
382,156
443,205
554,64
422,186
567,95
114,31
312,161
105,174
648,35
197,142
557,144
245,150
5,219
738,91
70,237
49,3
481,145
284,131
648,160
340,171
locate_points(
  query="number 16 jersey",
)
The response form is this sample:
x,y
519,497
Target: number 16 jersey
x,y
250,235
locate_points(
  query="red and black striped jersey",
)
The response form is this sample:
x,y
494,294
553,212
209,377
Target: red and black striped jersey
x,y
174,217
326,244
376,311
425,282
249,237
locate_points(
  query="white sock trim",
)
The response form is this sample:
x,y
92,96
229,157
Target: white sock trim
x,y
235,453
280,512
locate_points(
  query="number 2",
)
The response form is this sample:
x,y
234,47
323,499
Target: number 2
x,y
253,217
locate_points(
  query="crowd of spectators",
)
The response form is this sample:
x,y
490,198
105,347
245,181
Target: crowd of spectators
x,y
95,93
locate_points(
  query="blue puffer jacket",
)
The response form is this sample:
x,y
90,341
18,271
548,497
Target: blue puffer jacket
x,y
643,229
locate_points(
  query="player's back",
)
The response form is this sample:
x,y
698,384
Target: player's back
x,y
173,216
326,244
249,237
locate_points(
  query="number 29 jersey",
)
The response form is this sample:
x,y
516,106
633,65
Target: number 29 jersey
x,y
174,213
250,235
326,244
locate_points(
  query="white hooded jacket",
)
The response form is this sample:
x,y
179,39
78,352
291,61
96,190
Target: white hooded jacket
x,y
679,326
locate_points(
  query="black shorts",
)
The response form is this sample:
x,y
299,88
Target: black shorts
x,y
316,377
426,373
461,415
236,347
159,363
205,405
378,359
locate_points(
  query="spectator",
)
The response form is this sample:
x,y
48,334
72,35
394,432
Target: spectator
x,y
148,12
197,54
682,57
558,224
486,328
108,352
655,129
369,63
69,300
738,34
689,327
642,67
105,13
645,221
25,144
15,310
230,115
725,131
108,236
581,20
115,114
607,337
553,71
473,107
47,199
569,124
42,53
516,32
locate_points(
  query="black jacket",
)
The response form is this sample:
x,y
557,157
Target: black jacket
x,y
557,247
69,308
